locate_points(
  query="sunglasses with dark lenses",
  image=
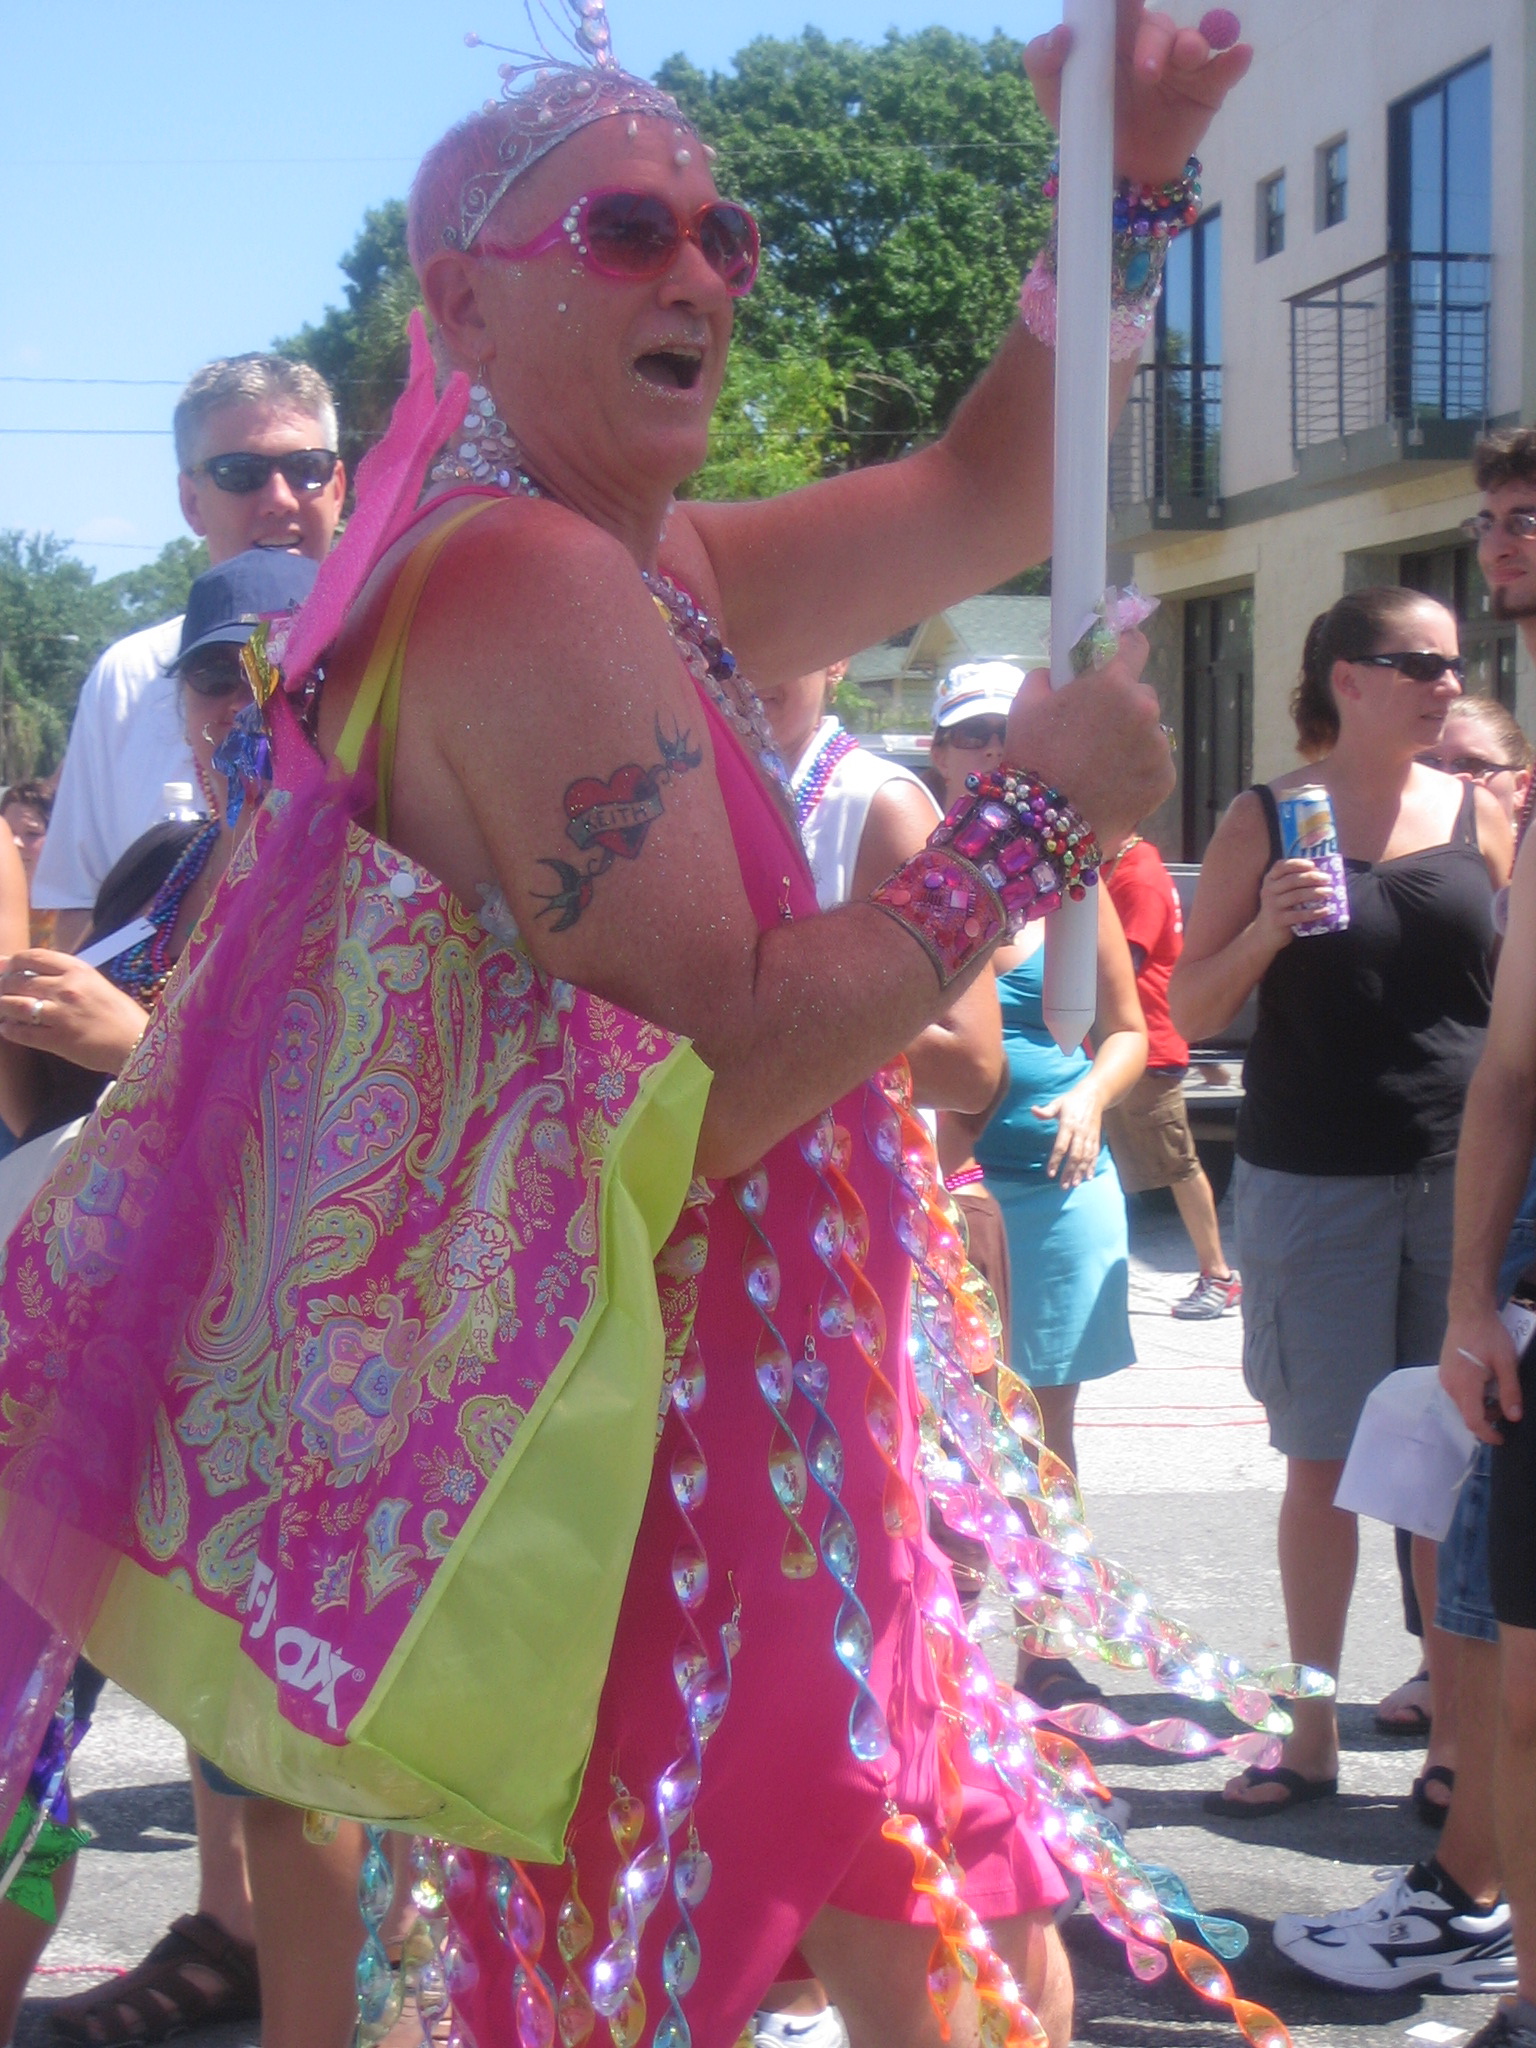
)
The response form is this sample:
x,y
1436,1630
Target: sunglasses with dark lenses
x,y
972,734
1417,667
638,235
1519,525
1475,767
303,470
214,671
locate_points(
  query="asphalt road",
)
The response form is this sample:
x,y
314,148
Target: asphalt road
x,y
1180,1484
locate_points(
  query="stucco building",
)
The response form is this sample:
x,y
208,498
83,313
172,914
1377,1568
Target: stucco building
x,y
1357,301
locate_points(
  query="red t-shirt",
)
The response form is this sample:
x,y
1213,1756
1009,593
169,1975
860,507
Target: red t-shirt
x,y
1143,892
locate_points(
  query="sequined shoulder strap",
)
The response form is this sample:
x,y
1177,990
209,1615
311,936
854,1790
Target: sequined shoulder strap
x,y
378,694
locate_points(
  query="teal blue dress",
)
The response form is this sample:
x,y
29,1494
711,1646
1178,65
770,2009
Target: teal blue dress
x,y
1068,1251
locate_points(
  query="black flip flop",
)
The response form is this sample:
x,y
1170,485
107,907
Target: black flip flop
x,y
1412,1723
1302,1791
1431,1811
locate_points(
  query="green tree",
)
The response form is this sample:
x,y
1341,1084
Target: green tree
x,y
361,348
898,189
55,619
772,429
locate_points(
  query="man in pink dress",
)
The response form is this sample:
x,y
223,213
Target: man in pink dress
x,y
566,740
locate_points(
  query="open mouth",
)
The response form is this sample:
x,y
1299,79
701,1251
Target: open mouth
x,y
671,369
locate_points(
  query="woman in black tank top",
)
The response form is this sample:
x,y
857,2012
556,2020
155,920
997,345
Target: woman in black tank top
x,y
1355,1079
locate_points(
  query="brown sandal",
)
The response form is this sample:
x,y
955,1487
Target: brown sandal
x,y
160,1996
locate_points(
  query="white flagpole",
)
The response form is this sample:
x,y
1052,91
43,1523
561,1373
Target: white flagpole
x,y
1081,519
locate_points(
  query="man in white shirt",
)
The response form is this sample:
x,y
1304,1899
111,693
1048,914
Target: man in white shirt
x,y
256,444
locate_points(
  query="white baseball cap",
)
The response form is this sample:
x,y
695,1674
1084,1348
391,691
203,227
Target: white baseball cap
x,y
976,689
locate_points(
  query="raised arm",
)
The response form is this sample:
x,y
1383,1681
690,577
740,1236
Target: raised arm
x,y
869,552
587,698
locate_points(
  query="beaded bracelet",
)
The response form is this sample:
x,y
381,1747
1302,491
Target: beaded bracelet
x,y
1146,220
1008,850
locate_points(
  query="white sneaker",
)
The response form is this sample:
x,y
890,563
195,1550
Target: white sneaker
x,y
791,2030
1406,1934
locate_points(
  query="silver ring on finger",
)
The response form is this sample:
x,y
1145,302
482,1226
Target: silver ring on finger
x,y
37,1006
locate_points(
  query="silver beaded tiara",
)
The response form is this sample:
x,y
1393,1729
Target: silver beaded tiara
x,y
547,97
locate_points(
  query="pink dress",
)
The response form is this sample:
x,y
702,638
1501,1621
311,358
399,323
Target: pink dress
x,y
788,1815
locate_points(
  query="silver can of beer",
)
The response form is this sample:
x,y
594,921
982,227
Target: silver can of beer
x,y
1307,832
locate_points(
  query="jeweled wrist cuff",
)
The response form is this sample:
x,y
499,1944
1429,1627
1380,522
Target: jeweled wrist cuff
x,y
947,906
1007,851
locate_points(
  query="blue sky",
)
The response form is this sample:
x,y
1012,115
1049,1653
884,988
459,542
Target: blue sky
x,y
180,177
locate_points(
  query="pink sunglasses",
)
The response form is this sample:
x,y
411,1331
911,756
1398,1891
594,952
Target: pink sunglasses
x,y
638,235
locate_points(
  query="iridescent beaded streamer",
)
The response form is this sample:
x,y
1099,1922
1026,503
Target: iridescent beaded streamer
x,y
574,2012
775,1374
456,1950
424,1941
850,1307
380,1993
853,1638
1046,1546
852,1635
518,1915
703,1681
963,1953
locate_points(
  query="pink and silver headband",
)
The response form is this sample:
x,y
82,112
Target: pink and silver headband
x,y
547,99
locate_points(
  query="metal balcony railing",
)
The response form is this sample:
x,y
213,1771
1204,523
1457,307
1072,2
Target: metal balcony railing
x,y
1393,343
1167,448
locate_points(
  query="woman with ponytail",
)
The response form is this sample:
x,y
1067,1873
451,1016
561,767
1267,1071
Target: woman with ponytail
x,y
1366,1040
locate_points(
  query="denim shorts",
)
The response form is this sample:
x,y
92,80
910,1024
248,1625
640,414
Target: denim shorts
x,y
221,1782
1464,1596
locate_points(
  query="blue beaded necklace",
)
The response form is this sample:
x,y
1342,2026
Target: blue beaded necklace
x,y
836,747
145,968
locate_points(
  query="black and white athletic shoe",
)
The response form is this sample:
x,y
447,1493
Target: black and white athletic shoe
x,y
1411,1932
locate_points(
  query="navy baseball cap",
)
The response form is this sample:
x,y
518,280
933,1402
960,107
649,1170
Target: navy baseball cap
x,y
226,605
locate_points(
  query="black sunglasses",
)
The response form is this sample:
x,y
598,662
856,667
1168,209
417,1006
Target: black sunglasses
x,y
303,470
1417,667
1476,767
972,734
214,671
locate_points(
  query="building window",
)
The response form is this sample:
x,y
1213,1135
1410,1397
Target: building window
x,y
1216,746
1186,449
1439,220
1332,183
1441,164
1271,221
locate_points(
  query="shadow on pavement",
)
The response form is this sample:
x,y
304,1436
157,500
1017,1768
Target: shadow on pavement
x,y
140,1819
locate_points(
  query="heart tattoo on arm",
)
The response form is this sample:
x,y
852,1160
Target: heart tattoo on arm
x,y
608,821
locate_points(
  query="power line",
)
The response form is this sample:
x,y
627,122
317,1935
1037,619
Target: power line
x,y
143,547
158,433
185,163
163,383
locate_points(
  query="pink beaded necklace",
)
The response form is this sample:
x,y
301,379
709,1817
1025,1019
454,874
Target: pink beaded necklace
x,y
836,747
